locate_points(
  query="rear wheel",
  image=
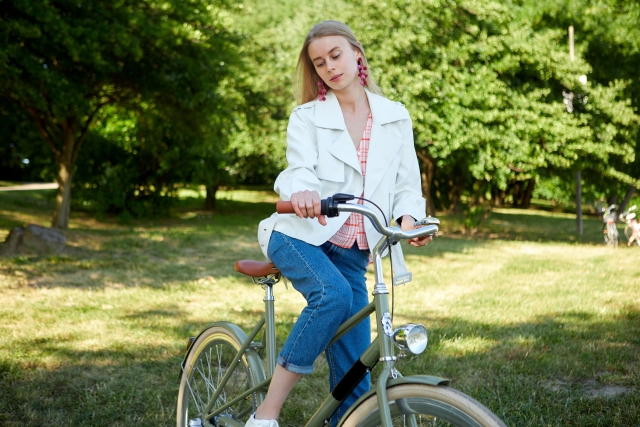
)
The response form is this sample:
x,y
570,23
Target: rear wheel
x,y
613,232
424,405
610,233
209,360
628,231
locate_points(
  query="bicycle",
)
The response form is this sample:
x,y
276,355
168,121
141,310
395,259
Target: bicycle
x,y
631,223
222,380
609,229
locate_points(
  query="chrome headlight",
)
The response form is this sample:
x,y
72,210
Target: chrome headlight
x,y
411,337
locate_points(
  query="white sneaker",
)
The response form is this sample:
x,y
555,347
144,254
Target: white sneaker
x,y
260,423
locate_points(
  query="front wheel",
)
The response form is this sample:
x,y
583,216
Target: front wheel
x,y
605,233
628,231
209,360
424,405
613,232
610,233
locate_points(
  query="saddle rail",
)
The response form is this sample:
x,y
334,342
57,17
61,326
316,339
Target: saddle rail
x,y
261,272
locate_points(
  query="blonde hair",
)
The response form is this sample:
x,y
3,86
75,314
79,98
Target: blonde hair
x,y
305,78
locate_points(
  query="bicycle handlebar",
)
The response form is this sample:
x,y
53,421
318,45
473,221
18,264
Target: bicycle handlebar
x,y
332,206
283,207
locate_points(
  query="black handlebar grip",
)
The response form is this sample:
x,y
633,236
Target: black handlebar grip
x,y
328,206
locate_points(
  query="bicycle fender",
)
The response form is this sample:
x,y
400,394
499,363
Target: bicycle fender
x,y
253,359
415,379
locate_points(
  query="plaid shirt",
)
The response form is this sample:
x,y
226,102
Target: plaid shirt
x,y
353,230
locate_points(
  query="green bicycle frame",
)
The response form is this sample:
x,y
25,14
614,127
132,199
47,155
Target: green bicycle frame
x,y
381,350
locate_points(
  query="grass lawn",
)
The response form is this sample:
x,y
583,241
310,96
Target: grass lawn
x,y
541,327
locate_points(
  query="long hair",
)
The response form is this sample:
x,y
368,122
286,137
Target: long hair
x,y
305,78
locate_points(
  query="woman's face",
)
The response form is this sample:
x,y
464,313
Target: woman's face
x,y
336,61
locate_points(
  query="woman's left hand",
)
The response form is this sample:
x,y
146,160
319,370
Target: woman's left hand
x,y
407,224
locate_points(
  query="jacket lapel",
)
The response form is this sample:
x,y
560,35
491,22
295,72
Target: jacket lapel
x,y
382,151
383,147
329,116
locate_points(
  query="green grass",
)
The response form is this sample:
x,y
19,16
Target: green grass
x,y
540,326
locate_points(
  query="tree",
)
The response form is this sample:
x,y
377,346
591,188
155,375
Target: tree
x,y
63,62
609,36
274,32
23,156
485,92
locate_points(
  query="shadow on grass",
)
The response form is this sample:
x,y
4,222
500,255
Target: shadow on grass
x,y
98,388
530,373
527,225
540,226
554,370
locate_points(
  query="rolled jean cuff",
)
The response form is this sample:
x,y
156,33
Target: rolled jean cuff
x,y
304,370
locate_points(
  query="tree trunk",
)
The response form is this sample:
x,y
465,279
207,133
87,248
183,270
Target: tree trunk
x,y
64,137
627,199
428,172
517,194
63,199
66,161
526,198
455,193
499,201
579,202
210,199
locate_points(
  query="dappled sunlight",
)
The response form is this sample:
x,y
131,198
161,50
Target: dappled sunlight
x,y
251,196
503,316
461,346
532,212
19,219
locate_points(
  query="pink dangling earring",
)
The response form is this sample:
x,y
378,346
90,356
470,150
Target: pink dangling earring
x,y
322,91
361,72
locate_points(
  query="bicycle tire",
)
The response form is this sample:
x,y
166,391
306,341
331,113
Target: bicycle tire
x,y
208,361
431,405
613,233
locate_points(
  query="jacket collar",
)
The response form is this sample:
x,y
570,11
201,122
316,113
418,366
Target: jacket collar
x,y
382,150
329,115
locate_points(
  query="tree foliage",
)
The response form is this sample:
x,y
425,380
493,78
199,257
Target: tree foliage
x,y
64,61
184,93
608,34
485,92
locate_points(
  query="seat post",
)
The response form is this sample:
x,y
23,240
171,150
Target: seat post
x,y
270,329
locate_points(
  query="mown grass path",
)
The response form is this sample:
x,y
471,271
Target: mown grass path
x,y
542,329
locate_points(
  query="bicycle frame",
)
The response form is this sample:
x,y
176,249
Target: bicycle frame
x,y
381,350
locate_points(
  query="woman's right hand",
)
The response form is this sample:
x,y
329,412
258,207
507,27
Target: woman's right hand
x,y
306,204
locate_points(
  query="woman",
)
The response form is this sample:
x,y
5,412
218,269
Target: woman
x,y
635,232
343,132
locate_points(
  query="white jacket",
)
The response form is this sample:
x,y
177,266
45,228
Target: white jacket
x,y
321,156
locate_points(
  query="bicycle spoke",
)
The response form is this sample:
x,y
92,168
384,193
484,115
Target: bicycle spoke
x,y
209,376
206,373
208,383
220,373
191,392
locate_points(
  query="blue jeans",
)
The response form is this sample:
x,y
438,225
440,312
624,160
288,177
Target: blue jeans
x,y
332,281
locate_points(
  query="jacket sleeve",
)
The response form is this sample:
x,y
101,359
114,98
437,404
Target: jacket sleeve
x,y
408,198
302,157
